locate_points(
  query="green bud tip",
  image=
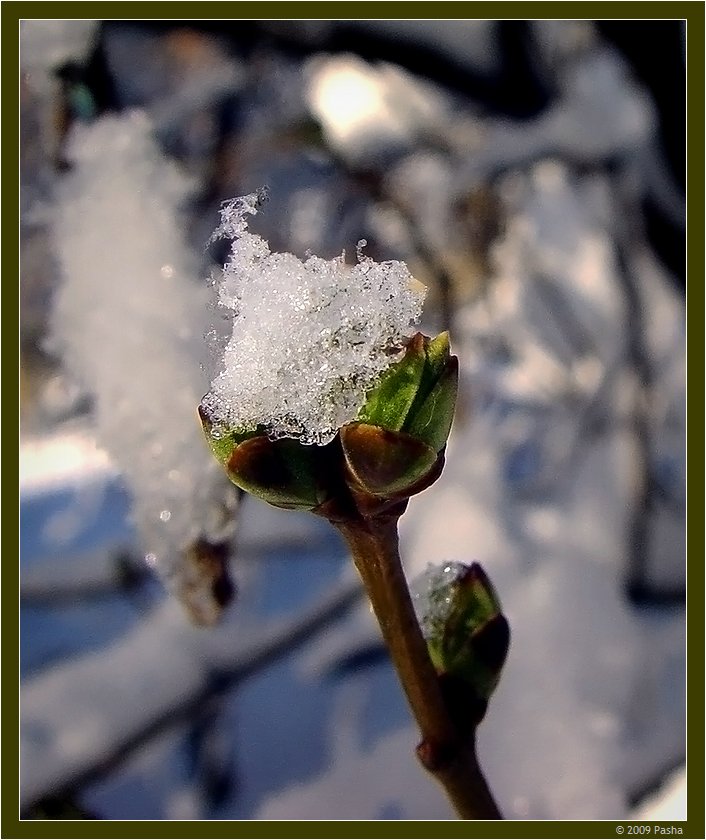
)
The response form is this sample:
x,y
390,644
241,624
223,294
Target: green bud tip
x,y
467,635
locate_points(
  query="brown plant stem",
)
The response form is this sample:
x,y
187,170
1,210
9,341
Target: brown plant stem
x,y
447,753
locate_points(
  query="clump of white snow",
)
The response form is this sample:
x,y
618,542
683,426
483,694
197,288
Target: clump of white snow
x,y
668,803
309,338
129,320
49,43
366,110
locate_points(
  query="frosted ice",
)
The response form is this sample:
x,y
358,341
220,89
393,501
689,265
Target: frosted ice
x,y
309,338
128,321
432,594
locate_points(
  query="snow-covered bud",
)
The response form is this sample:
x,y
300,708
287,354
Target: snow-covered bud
x,y
467,635
324,401
309,338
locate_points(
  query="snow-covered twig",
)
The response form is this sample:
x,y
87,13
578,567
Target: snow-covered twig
x,y
128,322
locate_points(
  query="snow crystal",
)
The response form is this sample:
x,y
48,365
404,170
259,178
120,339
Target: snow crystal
x,y
128,322
309,338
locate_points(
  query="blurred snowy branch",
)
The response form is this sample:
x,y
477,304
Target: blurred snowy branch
x,y
128,321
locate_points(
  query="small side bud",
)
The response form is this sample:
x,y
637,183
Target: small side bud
x,y
467,635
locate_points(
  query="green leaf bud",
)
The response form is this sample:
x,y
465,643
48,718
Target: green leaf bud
x,y
467,635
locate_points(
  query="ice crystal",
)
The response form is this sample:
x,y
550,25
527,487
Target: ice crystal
x,y
309,338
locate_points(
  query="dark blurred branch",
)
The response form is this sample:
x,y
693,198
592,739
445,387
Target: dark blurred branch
x,y
514,85
434,265
648,788
640,41
561,313
124,576
210,755
248,659
99,576
630,239
58,808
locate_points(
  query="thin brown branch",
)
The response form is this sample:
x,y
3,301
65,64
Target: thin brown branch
x,y
446,753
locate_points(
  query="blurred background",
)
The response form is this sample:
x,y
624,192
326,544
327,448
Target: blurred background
x,y
187,654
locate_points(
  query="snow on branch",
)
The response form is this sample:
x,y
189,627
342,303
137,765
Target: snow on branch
x,y
129,319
